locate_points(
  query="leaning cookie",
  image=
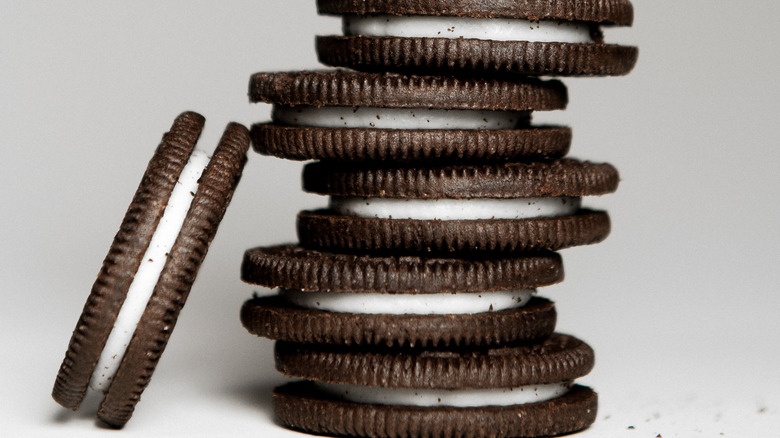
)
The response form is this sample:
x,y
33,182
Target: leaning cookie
x,y
348,299
149,270
528,37
352,116
524,390
510,207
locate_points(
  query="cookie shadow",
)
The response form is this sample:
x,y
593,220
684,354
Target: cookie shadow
x,y
87,412
259,395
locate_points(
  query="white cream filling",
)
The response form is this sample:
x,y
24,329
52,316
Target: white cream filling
x,y
148,272
457,398
396,118
496,29
409,304
454,209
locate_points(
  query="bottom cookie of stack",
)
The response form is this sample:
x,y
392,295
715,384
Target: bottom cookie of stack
x,y
522,390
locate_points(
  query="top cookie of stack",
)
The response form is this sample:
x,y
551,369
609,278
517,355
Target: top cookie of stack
x,y
528,37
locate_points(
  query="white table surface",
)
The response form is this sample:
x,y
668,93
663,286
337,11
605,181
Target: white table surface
x,y
680,303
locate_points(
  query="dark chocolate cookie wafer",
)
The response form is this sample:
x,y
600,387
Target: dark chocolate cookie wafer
x,y
470,387
510,207
293,267
616,12
506,181
388,90
558,358
178,183
351,116
326,230
410,145
559,37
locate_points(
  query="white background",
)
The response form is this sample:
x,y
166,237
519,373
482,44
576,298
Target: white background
x,y
679,303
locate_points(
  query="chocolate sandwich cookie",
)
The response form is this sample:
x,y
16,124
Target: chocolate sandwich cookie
x,y
352,116
528,37
149,270
508,207
350,299
508,391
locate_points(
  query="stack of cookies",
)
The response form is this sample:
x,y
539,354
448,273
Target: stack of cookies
x,y
411,305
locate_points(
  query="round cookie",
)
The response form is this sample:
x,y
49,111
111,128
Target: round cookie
x,y
517,390
530,37
352,116
301,407
294,267
149,270
405,301
565,177
275,318
389,90
410,145
511,207
609,12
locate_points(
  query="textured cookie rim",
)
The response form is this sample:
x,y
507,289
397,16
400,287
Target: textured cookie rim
x,y
404,145
609,12
557,358
294,267
297,405
441,55
564,177
392,90
124,256
326,230
272,317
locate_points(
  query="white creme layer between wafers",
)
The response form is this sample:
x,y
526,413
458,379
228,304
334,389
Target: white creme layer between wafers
x,y
396,118
409,304
457,398
454,209
496,29
148,273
